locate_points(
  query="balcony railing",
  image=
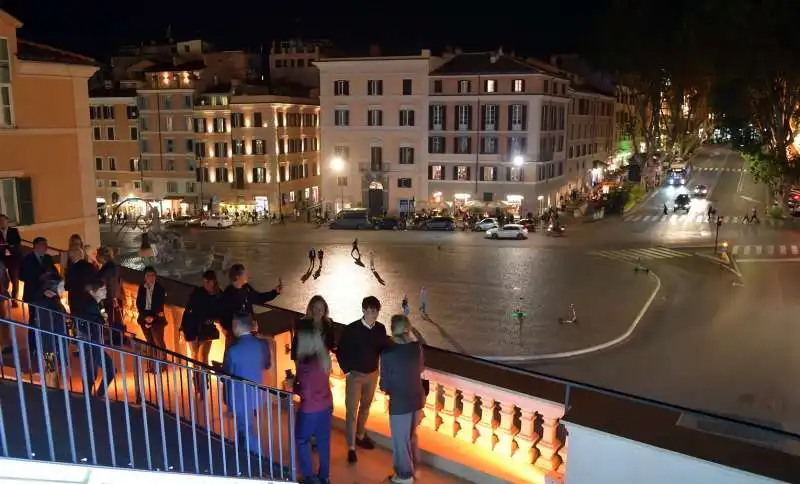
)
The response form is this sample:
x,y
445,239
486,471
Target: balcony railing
x,y
374,167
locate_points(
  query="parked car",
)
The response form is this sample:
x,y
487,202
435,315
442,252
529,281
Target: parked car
x,y
217,221
486,224
386,223
352,218
183,221
508,231
529,223
441,223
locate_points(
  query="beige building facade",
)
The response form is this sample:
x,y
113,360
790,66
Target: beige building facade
x,y
591,135
374,125
47,182
258,153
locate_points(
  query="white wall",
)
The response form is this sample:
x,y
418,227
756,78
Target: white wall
x,y
14,471
596,457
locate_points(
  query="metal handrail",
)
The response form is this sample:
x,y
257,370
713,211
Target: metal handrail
x,y
247,439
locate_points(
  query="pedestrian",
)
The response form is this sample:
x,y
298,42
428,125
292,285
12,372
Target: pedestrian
x,y
423,301
315,411
312,256
109,273
401,369
239,297
200,316
247,358
404,305
355,250
35,268
10,243
372,261
320,255
359,350
91,327
150,299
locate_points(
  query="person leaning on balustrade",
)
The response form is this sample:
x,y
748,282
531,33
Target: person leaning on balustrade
x,y
150,300
200,316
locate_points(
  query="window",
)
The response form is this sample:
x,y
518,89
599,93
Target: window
x,y
488,173
108,112
145,146
132,112
221,173
258,146
464,116
376,158
238,146
436,144
187,101
461,173
172,187
490,117
515,174
97,133
169,164
200,149
518,85
168,123
517,145
437,86
112,163
407,87
190,187
341,181
134,133
6,114
489,145
146,166
463,145
406,155
142,124
113,183
257,120
98,163
341,88
374,117
375,87
406,117
219,125
437,117
341,117
404,183
98,183
189,146
464,86
147,187
516,113
436,172
110,135
169,145
221,149
490,85
237,120
141,101
166,101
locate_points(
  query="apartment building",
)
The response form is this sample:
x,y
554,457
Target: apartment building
x,y
374,128
114,115
257,152
497,133
46,164
293,62
627,125
591,135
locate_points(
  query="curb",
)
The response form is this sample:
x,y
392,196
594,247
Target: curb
x,y
592,349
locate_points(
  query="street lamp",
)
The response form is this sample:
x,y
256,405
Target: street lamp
x,y
337,165
518,160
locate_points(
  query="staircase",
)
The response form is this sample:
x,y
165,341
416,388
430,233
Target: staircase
x,y
150,409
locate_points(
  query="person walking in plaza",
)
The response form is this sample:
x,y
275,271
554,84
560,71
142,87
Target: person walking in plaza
x,y
150,300
423,301
11,255
239,297
200,316
246,358
405,307
372,261
354,252
312,258
359,350
314,414
401,369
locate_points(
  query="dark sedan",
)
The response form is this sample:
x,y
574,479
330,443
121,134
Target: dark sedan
x,y
441,223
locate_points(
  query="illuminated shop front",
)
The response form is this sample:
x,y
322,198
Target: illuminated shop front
x,y
514,204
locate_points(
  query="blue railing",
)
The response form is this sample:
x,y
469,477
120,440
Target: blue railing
x,y
161,415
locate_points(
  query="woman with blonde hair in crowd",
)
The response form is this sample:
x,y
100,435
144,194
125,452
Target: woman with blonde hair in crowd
x,y
318,316
401,369
314,414
75,242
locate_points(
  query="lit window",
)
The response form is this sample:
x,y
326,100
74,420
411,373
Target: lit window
x,y
518,85
491,85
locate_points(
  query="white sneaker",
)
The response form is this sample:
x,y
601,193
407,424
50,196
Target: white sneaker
x,y
401,480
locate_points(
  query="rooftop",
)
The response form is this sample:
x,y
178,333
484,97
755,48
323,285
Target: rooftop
x,y
475,63
111,92
170,67
32,51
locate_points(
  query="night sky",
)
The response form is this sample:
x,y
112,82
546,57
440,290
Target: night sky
x,y
96,28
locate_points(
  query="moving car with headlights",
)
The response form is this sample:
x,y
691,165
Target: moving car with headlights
x,y
701,190
682,202
217,221
486,224
441,223
508,231
182,221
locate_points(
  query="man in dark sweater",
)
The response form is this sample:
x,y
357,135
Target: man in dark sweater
x,y
239,297
358,353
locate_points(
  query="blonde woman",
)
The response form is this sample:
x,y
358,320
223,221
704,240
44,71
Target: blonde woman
x,y
401,369
316,405
75,242
318,314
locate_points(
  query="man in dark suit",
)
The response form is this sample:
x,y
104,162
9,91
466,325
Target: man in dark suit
x,y
10,254
35,269
150,299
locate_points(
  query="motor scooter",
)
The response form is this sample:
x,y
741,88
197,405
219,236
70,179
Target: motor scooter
x,y
556,229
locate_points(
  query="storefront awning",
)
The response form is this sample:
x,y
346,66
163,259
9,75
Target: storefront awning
x,y
173,197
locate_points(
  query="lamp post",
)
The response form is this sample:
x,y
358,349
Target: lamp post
x,y
716,237
337,165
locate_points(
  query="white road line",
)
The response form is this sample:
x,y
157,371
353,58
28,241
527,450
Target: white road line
x,y
734,220
770,250
795,250
649,218
783,250
746,250
663,218
759,249
735,249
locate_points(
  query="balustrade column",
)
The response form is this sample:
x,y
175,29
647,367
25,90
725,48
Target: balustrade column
x,y
447,414
485,426
562,455
548,445
466,418
431,407
505,430
526,438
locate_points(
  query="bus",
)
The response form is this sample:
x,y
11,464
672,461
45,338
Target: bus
x,y
678,174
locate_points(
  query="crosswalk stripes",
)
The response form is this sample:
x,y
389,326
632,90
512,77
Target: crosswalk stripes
x,y
785,250
718,168
633,255
682,219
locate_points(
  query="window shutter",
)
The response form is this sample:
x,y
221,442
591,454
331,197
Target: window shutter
x,y
410,155
25,201
469,116
508,173
444,118
455,173
430,117
430,144
469,173
133,164
411,118
455,144
430,172
198,174
481,176
255,173
524,116
494,174
469,144
380,117
483,118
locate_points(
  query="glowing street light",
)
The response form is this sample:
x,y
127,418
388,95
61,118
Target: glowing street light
x,y
337,164
518,160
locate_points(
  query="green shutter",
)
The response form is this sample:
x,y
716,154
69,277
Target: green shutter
x,y
24,200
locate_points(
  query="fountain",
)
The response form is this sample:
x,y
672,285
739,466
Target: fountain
x,y
166,252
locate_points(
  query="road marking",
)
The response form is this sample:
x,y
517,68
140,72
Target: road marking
x,y
783,250
795,250
749,199
633,255
746,250
770,250
759,249
788,259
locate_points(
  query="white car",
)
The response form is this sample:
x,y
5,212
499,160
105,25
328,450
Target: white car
x,y
217,221
508,231
486,224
